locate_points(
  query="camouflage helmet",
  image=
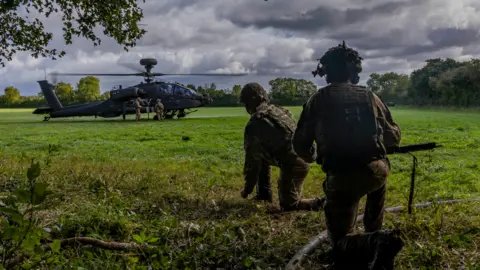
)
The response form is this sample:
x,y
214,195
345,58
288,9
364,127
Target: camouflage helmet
x,y
253,91
338,57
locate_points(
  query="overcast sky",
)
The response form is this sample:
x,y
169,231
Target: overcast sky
x,y
267,37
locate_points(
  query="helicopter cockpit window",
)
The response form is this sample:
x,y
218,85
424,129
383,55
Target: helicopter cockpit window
x,y
166,88
182,91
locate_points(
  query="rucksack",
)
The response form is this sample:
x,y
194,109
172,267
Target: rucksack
x,y
348,125
280,118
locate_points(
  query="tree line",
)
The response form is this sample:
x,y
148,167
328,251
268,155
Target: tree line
x,y
440,82
86,90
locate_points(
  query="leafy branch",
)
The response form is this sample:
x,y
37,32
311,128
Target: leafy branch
x,y
119,20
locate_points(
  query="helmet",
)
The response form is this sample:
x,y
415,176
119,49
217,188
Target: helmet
x,y
253,91
338,57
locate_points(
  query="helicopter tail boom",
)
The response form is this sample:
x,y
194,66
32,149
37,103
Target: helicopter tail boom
x,y
50,97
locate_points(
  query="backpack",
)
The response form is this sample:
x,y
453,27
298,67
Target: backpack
x,y
279,118
348,125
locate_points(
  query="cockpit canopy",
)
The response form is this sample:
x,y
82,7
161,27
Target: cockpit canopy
x,y
175,89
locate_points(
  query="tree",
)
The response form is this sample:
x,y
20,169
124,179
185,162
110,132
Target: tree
x,y
459,86
389,86
118,19
88,89
423,80
290,89
11,96
64,92
105,95
236,90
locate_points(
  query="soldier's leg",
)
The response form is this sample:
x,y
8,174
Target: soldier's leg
x,y
374,207
341,207
264,186
290,186
138,114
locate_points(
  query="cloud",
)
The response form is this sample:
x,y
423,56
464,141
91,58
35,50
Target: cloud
x,y
265,38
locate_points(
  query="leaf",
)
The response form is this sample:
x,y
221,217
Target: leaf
x,y
22,195
39,193
9,210
152,240
34,171
39,189
30,242
248,261
17,218
26,265
9,233
55,246
138,238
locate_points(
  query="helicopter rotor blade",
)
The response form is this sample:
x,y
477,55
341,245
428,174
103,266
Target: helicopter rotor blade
x,y
199,74
96,74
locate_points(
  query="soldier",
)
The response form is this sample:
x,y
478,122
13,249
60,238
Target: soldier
x,y
267,142
159,109
138,108
351,127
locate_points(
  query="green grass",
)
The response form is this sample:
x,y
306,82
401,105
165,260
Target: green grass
x,y
180,181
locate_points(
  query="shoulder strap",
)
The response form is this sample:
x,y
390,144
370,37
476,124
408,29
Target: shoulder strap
x,y
373,103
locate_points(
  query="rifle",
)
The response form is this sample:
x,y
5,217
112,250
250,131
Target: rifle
x,y
406,150
412,148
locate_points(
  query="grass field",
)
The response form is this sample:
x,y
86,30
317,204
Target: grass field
x,y
180,181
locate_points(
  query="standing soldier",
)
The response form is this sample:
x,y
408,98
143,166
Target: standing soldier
x,y
351,128
138,108
268,142
159,109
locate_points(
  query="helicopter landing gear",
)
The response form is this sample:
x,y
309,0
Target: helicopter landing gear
x,y
46,118
181,113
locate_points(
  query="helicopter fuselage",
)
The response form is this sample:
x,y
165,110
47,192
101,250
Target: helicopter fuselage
x,y
174,97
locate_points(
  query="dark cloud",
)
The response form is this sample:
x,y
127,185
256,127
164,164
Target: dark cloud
x,y
267,38
321,17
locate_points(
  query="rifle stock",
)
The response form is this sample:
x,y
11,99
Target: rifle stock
x,y
412,148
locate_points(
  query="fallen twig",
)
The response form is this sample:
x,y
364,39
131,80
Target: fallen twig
x,y
85,241
316,241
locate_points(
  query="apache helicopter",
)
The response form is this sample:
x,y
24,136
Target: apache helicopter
x,y
175,98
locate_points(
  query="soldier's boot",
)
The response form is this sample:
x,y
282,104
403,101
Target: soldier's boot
x,y
263,194
310,204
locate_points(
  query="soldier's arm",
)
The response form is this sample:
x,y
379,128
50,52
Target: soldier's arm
x,y
304,135
253,158
391,131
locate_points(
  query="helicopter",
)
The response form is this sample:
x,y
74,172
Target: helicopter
x,y
176,98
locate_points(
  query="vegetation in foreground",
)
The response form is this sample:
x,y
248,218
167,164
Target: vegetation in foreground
x,y
176,184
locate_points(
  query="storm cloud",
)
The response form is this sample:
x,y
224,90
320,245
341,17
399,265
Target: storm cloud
x,y
265,38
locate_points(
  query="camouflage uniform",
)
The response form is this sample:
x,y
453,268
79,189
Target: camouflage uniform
x,y
138,108
349,175
267,142
159,109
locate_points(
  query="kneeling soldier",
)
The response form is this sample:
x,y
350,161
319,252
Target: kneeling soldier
x,y
268,142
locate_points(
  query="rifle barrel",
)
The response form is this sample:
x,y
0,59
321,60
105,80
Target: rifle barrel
x,y
412,148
